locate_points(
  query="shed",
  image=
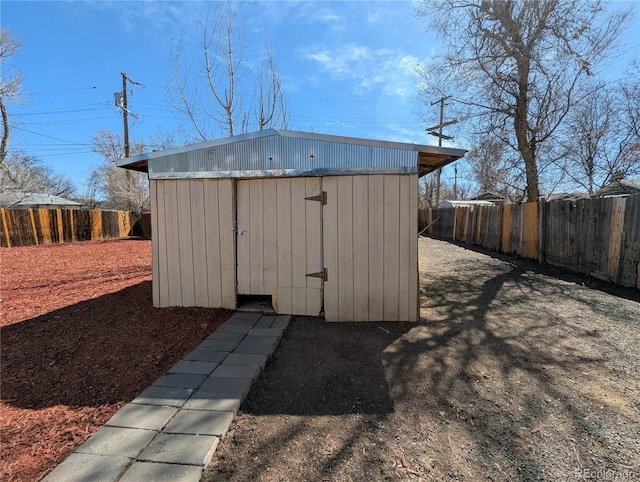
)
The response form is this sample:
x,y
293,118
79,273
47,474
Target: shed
x,y
320,223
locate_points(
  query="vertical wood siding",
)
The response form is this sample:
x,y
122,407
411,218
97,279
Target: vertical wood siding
x,y
193,243
280,242
370,248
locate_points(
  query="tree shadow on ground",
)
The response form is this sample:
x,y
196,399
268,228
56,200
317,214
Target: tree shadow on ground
x,y
99,351
505,364
319,368
544,269
322,374
497,382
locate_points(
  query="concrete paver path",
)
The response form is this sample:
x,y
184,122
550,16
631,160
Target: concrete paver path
x,y
171,430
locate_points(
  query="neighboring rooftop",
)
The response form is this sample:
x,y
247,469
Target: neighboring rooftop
x,y
464,203
624,187
25,200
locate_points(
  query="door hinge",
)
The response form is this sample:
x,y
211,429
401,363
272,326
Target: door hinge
x,y
322,197
320,274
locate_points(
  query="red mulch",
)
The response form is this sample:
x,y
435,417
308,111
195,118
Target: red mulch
x,y
80,338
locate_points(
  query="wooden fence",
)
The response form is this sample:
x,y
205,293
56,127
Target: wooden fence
x,y
596,237
27,227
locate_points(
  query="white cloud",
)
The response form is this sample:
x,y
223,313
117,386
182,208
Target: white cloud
x,y
156,16
393,71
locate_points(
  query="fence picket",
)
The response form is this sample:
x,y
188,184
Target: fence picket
x,y
598,237
27,227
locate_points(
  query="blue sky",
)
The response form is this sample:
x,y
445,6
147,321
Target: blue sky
x,y
348,68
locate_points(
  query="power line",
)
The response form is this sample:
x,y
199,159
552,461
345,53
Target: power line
x,y
72,89
51,137
94,106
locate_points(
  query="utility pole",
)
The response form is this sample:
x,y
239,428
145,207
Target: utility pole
x,y
440,136
455,181
121,102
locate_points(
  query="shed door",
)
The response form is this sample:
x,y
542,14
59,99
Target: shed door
x,y
279,242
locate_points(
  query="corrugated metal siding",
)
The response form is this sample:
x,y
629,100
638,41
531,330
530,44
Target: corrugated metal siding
x,y
282,156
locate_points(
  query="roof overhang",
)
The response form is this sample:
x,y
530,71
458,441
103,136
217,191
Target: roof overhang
x,y
430,160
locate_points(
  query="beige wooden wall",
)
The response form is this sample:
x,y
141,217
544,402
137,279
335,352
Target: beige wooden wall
x,y
371,248
369,243
193,243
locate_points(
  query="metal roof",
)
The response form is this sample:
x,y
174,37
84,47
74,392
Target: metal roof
x,y
277,152
464,203
19,199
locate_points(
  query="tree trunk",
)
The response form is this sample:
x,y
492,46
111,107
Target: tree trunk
x,y
521,128
5,132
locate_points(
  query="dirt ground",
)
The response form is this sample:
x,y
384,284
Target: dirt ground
x,y
516,372
80,338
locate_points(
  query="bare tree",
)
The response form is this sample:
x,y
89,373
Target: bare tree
x,y
161,139
427,192
10,85
630,118
496,169
21,175
518,64
118,188
268,102
601,136
224,96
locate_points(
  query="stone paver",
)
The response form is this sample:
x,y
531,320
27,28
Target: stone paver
x,y
180,449
282,321
267,332
246,359
237,371
225,336
265,322
165,396
236,328
245,315
221,402
207,355
170,431
117,442
255,347
193,366
180,380
226,385
218,345
82,467
267,340
148,417
200,422
161,472
244,322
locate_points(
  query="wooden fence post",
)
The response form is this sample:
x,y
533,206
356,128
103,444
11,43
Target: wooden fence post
x,y
33,227
45,226
5,227
506,228
531,230
96,224
616,237
60,226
